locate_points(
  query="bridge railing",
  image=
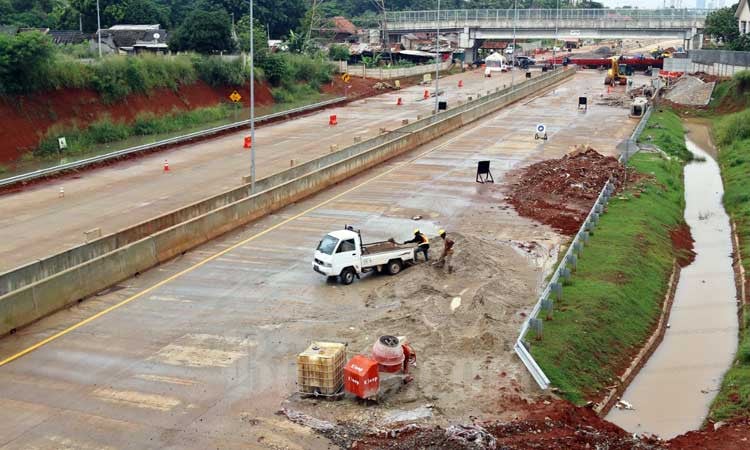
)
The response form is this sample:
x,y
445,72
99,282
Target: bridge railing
x,y
457,15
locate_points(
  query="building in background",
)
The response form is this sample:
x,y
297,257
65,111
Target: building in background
x,y
743,16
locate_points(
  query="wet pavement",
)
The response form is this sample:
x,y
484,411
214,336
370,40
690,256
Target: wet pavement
x,y
672,393
35,223
203,352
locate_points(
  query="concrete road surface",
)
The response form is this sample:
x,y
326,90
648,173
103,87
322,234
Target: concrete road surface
x,y
200,353
35,223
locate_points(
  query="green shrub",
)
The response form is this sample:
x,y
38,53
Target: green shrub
x,y
742,80
275,67
217,71
105,130
338,52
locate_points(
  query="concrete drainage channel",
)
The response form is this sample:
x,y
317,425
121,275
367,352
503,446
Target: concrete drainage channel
x,y
553,290
41,173
42,287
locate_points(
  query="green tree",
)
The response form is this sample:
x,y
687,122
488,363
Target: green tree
x,y
204,32
139,12
24,59
722,25
741,43
260,42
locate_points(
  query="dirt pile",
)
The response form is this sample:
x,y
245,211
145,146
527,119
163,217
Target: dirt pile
x,y
561,192
549,424
462,325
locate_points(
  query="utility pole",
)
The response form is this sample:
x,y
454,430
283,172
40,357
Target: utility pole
x,y
513,55
437,60
99,28
252,100
380,4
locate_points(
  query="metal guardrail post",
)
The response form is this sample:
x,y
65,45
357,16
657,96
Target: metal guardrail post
x,y
555,281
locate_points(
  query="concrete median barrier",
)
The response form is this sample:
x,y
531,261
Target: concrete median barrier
x,y
57,281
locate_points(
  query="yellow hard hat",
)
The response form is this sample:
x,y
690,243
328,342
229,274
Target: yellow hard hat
x,y
441,232
416,230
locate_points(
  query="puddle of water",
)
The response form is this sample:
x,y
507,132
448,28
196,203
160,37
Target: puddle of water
x,y
673,391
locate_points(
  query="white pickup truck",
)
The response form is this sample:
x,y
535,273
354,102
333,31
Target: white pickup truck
x,y
342,254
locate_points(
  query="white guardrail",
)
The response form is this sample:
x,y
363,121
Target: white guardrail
x,y
571,255
154,145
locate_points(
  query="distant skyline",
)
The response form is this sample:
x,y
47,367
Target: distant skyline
x,y
652,4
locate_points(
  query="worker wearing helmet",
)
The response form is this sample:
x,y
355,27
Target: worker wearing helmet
x,y
447,255
423,244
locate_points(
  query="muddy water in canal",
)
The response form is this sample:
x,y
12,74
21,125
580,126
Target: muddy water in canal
x,y
673,391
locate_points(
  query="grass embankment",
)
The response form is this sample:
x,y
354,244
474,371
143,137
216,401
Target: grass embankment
x,y
732,134
731,95
665,130
613,302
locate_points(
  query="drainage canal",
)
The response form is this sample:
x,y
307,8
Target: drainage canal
x,y
673,391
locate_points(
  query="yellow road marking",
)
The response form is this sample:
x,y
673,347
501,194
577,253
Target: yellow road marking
x,y
220,254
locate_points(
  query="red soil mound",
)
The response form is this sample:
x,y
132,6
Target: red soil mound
x,y
561,192
24,120
682,240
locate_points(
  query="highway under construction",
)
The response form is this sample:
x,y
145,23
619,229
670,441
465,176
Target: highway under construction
x,y
201,350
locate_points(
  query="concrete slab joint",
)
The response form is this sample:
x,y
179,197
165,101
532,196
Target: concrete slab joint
x,y
150,243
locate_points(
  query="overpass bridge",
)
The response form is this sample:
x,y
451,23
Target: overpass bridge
x,y
476,25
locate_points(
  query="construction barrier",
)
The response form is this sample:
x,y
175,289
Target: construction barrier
x,y
42,287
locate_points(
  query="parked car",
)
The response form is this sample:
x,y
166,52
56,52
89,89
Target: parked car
x,y
525,61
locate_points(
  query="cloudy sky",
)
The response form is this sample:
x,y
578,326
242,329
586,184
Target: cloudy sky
x,y
661,3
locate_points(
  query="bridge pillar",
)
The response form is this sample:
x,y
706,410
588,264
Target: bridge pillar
x,y
467,42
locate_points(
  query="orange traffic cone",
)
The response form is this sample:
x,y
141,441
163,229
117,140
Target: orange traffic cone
x,y
399,102
166,165
426,94
332,120
248,142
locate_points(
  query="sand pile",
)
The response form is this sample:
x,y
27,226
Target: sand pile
x,y
561,192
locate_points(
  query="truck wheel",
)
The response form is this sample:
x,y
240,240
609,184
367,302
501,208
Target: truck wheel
x,y
347,276
394,266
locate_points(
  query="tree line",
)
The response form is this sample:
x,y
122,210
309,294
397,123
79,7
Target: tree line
x,y
277,17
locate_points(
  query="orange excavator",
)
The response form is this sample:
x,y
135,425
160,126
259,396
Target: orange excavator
x,y
614,76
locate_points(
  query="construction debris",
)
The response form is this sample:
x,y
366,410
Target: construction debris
x,y
692,91
471,437
382,85
622,404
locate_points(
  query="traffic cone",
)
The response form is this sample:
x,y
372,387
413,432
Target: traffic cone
x,y
426,94
399,102
460,83
166,165
248,142
332,120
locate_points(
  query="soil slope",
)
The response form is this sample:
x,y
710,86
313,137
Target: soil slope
x,y
24,120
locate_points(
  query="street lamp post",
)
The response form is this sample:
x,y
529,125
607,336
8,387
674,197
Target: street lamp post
x,y
513,54
557,20
437,60
99,28
252,100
